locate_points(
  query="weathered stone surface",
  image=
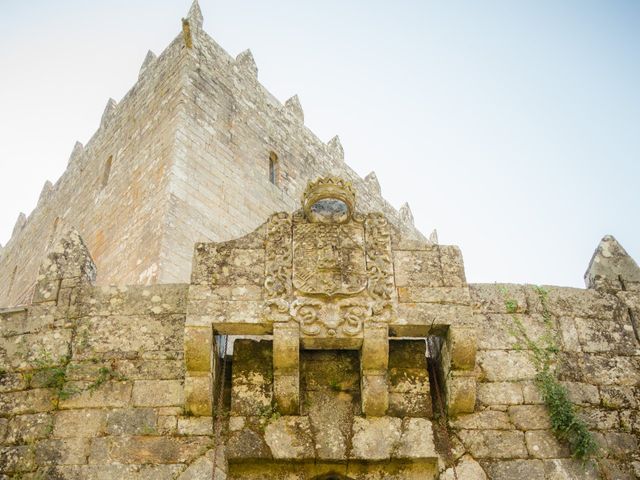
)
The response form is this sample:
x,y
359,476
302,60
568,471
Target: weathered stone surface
x,y
375,438
500,393
110,394
157,393
582,393
611,370
483,420
506,366
512,469
67,451
138,421
530,417
290,438
543,444
616,397
466,468
416,440
121,472
498,297
195,426
149,449
494,443
247,444
28,401
26,429
569,469
331,414
17,459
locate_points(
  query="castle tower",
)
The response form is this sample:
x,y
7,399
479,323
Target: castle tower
x,y
197,150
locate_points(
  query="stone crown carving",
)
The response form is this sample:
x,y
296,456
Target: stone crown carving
x,y
331,189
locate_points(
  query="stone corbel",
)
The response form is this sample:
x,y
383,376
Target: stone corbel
x,y
458,361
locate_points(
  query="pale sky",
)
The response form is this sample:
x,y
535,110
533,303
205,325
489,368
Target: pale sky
x,y
513,128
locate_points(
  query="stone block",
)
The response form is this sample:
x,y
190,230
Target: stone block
x,y
615,397
483,420
410,405
600,369
503,444
606,336
17,459
621,445
506,366
466,468
290,438
462,343
461,392
450,295
286,392
416,440
543,444
28,401
452,266
134,421
498,298
247,445
154,450
582,393
195,426
375,395
79,423
198,348
331,415
198,394
158,393
530,417
286,349
139,333
512,469
418,267
375,438
500,393
374,355
110,394
67,451
570,469
25,429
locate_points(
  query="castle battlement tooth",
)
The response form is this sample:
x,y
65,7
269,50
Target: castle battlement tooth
x,y
294,107
149,59
247,63
76,154
109,110
372,182
335,148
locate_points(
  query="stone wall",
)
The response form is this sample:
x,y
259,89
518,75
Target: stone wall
x,y
92,384
182,158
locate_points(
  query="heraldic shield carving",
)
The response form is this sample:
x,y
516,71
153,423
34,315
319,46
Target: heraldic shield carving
x,y
329,268
329,285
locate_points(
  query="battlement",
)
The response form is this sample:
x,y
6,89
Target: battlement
x,y
196,150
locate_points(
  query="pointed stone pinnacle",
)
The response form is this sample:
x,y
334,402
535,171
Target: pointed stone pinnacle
x,y
76,154
195,15
405,214
245,61
372,182
20,223
47,188
433,237
335,148
108,112
293,105
148,60
611,268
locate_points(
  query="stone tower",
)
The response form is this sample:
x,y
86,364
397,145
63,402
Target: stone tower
x,y
197,150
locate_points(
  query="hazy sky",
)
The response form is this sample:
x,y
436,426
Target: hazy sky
x,y
511,127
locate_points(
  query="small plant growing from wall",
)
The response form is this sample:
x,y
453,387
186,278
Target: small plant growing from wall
x,y
565,423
